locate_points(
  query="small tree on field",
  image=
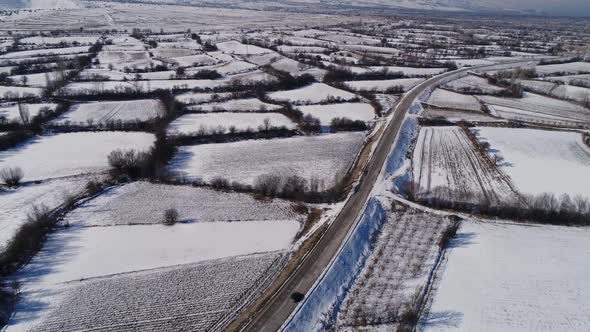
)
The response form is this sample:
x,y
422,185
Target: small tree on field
x,y
170,217
11,176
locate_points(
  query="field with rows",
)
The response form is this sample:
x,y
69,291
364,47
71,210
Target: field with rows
x,y
447,166
172,298
166,165
324,158
396,273
105,112
537,108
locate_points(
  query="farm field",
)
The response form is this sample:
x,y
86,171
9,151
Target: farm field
x,y
404,255
232,179
448,167
60,155
322,157
541,161
11,92
472,82
568,68
537,108
409,71
170,298
312,94
452,100
77,252
10,112
17,203
457,115
238,105
499,278
142,203
325,113
224,121
111,111
382,85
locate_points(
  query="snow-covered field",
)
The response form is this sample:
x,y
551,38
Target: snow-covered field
x,y
198,98
45,52
15,204
569,68
108,111
325,158
447,166
541,161
410,71
17,92
198,59
472,82
401,261
194,297
42,40
507,277
382,85
40,80
235,47
537,108
569,78
353,111
145,86
11,111
312,94
449,99
238,105
76,252
206,123
59,155
143,203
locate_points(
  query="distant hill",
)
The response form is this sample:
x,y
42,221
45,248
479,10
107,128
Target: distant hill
x,y
550,7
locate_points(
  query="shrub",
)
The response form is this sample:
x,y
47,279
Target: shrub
x,y
220,183
310,124
93,187
130,162
170,217
346,124
11,176
27,240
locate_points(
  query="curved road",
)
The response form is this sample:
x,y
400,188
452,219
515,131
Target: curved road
x,y
280,306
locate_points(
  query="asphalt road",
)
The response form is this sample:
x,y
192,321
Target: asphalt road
x,y
272,316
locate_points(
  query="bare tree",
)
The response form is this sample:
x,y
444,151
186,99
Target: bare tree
x,y
25,116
